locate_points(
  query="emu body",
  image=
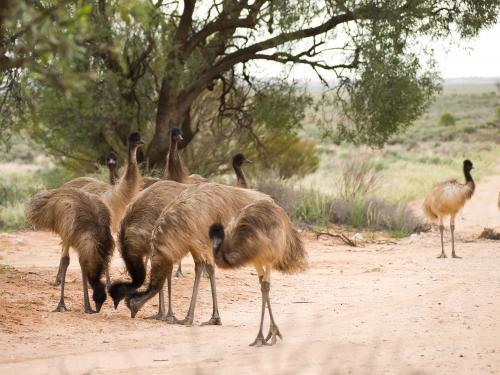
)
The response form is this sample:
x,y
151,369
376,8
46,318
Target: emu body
x,y
134,236
447,199
262,236
182,229
82,221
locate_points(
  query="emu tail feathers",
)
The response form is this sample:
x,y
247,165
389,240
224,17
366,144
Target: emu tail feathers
x,y
295,258
426,207
36,212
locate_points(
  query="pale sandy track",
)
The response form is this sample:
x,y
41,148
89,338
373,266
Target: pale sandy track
x,y
378,309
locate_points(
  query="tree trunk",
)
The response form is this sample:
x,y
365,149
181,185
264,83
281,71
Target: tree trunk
x,y
172,112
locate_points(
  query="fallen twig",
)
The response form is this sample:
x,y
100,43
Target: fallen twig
x,y
342,236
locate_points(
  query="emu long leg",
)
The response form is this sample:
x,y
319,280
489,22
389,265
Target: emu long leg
x,y
160,315
61,307
441,230
259,340
64,253
273,328
198,269
86,301
170,318
215,319
179,273
452,229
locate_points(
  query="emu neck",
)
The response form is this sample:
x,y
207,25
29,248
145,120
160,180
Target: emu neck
x,y
132,170
469,181
240,177
175,170
113,176
125,190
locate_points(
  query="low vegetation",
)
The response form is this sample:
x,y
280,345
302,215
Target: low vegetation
x,y
354,186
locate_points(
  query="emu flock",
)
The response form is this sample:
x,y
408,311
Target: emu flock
x,y
159,221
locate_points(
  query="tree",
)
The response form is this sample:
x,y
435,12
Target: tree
x,y
154,59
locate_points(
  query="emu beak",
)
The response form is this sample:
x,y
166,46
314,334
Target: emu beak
x,y
111,162
216,242
98,306
140,142
247,161
180,137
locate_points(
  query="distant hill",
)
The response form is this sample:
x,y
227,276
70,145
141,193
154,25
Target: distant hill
x,y
472,81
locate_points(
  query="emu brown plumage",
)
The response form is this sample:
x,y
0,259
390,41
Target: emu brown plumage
x,y
116,197
82,221
179,231
447,198
93,186
175,170
134,236
263,236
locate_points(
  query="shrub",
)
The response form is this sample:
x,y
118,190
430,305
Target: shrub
x,y
358,178
374,214
278,189
312,207
447,119
497,114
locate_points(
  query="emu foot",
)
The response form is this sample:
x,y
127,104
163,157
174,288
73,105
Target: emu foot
x,y
89,310
273,332
214,321
259,341
187,321
179,274
443,255
158,316
61,307
456,256
170,319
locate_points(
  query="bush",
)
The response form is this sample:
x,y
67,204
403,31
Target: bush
x,y
497,114
312,208
358,178
17,188
375,214
278,189
447,119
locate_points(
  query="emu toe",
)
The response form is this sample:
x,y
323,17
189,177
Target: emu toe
x,y
214,321
259,341
187,321
61,307
158,316
179,274
273,332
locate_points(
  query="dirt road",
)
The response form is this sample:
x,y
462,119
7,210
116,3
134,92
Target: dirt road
x,y
378,309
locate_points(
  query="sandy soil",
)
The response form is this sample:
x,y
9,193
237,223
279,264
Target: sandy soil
x,y
381,308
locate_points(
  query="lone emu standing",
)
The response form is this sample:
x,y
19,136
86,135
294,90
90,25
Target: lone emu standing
x,y
263,236
447,198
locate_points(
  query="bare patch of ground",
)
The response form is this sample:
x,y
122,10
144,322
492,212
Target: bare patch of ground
x,y
382,308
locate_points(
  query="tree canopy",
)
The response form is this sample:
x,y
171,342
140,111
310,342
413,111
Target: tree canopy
x,y
82,74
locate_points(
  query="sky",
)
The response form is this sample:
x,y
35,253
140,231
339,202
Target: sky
x,y
477,57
